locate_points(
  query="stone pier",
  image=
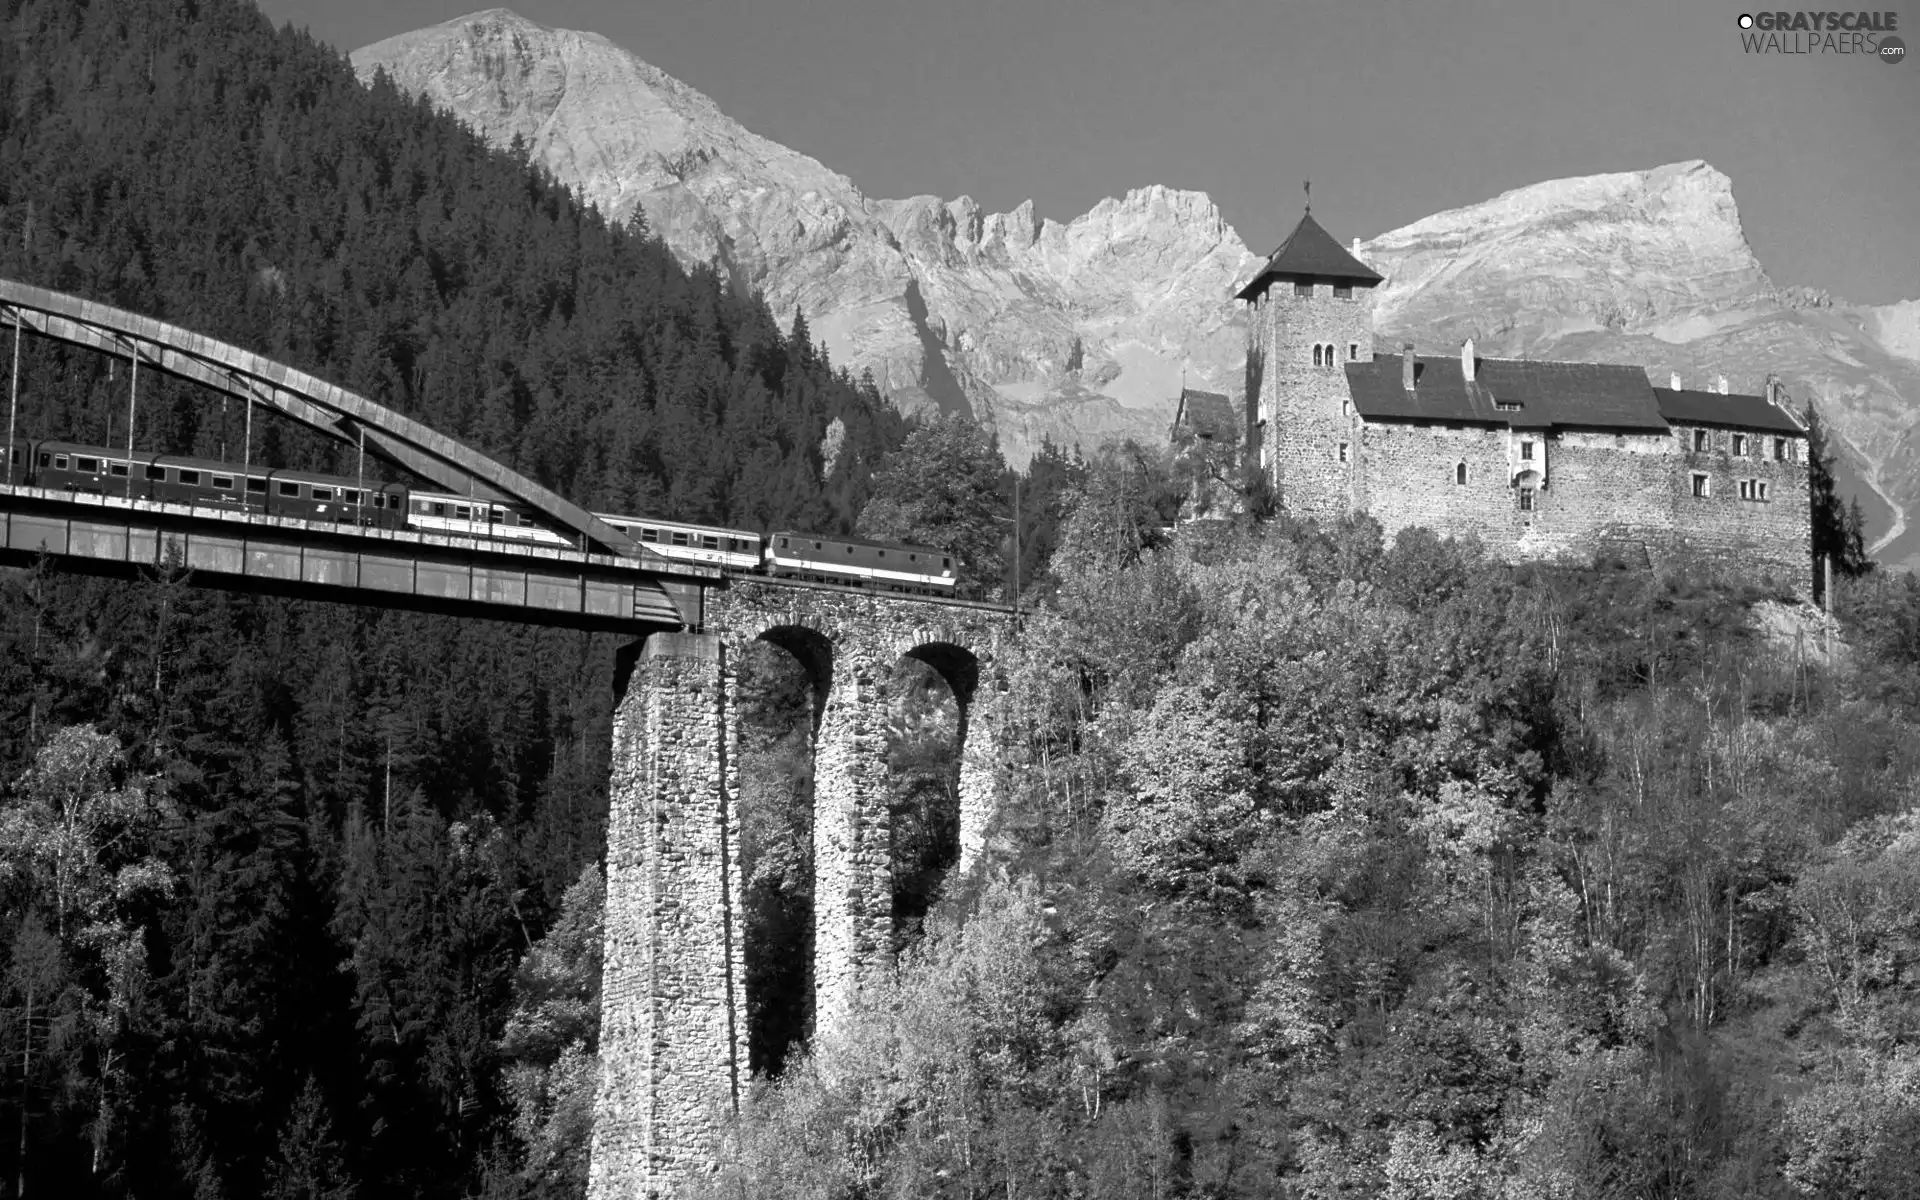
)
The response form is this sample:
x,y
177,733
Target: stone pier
x,y
673,1042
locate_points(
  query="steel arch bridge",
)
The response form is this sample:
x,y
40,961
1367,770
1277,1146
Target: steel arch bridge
x,y
334,411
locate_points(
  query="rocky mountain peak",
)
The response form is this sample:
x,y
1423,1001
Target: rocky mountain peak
x,y
1084,331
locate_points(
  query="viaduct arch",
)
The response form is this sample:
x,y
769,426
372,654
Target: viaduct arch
x,y
673,1036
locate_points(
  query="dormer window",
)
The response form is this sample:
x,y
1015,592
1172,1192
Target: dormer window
x,y
1506,405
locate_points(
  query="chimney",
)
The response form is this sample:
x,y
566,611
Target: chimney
x,y
1676,381
1721,383
1466,360
1356,247
1406,365
1773,390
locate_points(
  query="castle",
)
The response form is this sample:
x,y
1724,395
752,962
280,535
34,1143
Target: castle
x,y
1538,459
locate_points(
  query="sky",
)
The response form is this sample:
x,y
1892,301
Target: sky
x,y
1393,109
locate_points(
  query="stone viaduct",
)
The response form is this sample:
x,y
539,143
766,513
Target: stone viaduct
x,y
673,1032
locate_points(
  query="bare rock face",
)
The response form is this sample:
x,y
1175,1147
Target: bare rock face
x,y
1652,268
1077,332
1084,332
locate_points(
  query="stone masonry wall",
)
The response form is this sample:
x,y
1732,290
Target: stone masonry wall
x,y
671,1003
1306,407
1625,494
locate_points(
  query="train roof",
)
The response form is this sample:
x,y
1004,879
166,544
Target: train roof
x,y
665,523
97,451
847,540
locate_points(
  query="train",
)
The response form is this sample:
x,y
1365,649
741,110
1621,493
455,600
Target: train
x,y
308,496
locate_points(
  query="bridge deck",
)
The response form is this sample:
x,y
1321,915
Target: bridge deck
x,y
393,567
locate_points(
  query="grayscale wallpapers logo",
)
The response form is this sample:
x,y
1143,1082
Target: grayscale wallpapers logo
x,y
1866,34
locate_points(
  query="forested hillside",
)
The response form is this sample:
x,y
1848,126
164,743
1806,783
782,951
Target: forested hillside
x,y
1329,867
268,869
1335,868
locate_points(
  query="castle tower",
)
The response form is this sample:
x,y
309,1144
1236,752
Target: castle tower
x,y
1310,312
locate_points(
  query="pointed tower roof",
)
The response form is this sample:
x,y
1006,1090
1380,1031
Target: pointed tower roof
x,y
1309,253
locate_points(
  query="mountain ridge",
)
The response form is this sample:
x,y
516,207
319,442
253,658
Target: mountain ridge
x,y
1085,330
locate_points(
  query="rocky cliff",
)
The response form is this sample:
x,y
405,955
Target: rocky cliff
x,y
1078,332
1082,331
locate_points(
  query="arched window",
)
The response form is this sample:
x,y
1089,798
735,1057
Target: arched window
x,y
1316,354
1460,474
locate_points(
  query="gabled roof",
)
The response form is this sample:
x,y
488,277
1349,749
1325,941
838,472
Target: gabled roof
x,y
1689,407
1581,395
1207,414
1309,253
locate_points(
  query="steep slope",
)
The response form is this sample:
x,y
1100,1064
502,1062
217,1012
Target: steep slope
x,y
1652,268
948,306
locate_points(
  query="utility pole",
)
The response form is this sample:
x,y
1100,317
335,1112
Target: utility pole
x,y
1826,598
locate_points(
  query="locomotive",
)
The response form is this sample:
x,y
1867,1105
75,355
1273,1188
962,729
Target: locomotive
x,y
307,496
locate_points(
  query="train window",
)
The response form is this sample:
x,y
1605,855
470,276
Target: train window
x,y
679,538
849,549
289,489
946,562
223,482
816,545
710,543
190,478
881,553
153,472
462,513
321,493
86,464
60,461
439,510
349,495
257,485
912,557
45,459
118,468
379,499
649,535
783,543
497,515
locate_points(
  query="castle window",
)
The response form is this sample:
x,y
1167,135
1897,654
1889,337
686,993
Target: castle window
x,y
1346,408
1526,499
1760,489
1353,351
1343,452
1526,451
1699,441
1739,445
1316,354
1302,289
1746,489
1343,291
1779,449
1460,474
1700,486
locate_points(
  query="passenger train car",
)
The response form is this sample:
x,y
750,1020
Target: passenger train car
x,y
209,482
99,470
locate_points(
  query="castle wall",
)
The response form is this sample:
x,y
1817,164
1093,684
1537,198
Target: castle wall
x,y
1626,495
1758,538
